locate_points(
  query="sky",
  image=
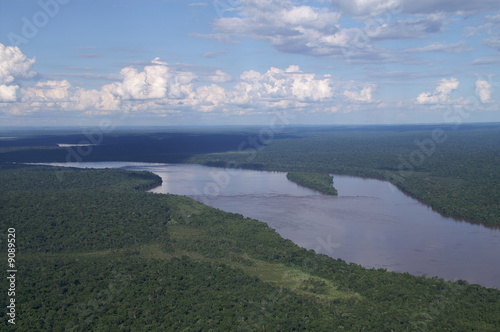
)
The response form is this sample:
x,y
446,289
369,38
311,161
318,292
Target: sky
x,y
248,62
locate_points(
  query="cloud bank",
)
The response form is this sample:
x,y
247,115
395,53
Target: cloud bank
x,y
160,88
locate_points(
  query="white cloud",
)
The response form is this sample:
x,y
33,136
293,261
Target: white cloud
x,y
487,61
277,84
220,77
47,91
490,26
93,101
441,94
316,31
158,88
493,42
459,47
450,6
208,98
289,28
387,7
8,93
154,82
483,91
14,66
413,28
365,95
367,7
157,61
150,83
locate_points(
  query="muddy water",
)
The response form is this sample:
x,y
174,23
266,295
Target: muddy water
x,y
370,223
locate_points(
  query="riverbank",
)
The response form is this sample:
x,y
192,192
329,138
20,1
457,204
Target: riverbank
x,y
173,262
458,177
368,224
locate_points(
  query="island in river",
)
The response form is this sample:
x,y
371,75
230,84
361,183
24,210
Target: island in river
x,y
321,182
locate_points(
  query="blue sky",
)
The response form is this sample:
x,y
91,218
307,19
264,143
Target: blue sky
x,y
172,62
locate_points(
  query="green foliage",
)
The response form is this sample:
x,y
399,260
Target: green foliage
x,y
73,210
43,179
452,168
457,176
129,267
321,182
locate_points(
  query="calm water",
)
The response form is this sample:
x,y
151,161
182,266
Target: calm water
x,y
370,223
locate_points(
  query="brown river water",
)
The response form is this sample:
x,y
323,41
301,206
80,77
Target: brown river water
x,y
370,222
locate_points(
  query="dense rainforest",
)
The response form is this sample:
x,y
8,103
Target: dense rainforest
x,y
95,252
453,168
321,182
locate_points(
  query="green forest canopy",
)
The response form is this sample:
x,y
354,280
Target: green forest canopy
x,y
452,168
321,182
97,254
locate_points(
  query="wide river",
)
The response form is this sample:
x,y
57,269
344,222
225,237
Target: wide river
x,y
370,223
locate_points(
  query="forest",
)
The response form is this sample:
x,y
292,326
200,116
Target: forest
x,y
452,168
95,252
321,182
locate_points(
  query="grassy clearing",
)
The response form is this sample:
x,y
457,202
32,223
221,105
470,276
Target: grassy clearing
x,y
278,274
296,280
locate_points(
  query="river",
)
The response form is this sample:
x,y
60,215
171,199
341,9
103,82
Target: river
x,y
371,222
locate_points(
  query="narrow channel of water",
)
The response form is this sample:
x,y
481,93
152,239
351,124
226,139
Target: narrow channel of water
x,y
370,223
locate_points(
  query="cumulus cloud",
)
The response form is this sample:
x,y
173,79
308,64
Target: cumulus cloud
x,y
209,98
147,84
365,95
288,27
92,101
14,66
317,31
441,94
62,96
159,88
483,91
156,81
8,93
278,84
153,82
220,77
47,91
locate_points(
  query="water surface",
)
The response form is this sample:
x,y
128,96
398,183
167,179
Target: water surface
x,y
370,223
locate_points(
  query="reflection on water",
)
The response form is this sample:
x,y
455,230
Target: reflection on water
x,y
370,223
